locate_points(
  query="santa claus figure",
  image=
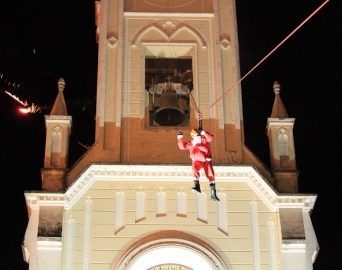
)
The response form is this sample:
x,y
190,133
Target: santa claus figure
x,y
200,155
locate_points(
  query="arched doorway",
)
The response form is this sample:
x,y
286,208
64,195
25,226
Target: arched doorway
x,y
170,249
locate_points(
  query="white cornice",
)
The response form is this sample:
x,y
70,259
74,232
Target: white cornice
x,y
280,122
181,173
166,173
163,15
58,119
43,198
304,201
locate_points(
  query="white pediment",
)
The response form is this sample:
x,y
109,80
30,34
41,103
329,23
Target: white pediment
x,y
226,176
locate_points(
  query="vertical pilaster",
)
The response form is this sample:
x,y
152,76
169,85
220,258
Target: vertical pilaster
x,y
120,209
88,218
255,235
70,245
222,212
161,203
311,242
140,205
31,234
272,244
181,203
202,213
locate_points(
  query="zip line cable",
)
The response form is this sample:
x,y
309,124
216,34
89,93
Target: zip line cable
x,y
193,102
262,60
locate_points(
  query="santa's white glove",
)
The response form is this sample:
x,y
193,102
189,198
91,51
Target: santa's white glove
x,y
180,135
208,159
202,132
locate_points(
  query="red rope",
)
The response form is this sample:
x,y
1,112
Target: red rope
x,y
262,60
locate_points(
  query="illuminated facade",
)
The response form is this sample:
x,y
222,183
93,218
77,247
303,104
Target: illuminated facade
x,y
126,203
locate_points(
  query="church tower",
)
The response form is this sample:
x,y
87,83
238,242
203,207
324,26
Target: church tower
x,y
145,47
166,67
58,128
282,149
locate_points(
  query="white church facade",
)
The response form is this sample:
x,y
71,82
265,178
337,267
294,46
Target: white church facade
x,y
127,202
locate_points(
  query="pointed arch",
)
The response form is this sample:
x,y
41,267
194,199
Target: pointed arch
x,y
201,39
143,31
138,36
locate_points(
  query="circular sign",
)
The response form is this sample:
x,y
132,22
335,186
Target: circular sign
x,y
168,266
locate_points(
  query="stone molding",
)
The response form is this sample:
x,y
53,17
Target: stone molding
x,y
297,200
172,239
225,43
112,40
168,29
178,173
42,198
181,173
280,122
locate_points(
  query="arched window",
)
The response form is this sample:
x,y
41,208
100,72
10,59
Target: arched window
x,y
168,81
56,146
283,145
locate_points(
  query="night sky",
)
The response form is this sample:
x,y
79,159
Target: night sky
x,y
42,41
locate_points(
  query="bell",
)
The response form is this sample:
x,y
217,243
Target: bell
x,y
169,113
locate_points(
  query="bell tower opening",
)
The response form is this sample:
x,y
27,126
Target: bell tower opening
x,y
169,81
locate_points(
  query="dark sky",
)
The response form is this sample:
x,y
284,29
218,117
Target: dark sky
x,y
307,66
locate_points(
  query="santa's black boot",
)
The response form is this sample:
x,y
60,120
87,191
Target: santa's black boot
x,y
213,193
196,188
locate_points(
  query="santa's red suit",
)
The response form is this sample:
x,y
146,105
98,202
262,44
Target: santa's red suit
x,y
200,155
